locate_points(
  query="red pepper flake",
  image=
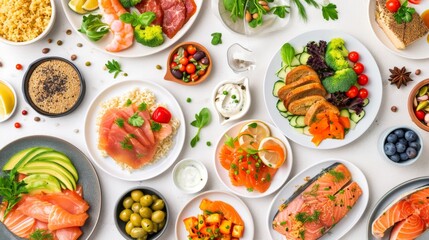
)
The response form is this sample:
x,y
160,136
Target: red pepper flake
x,y
17,125
18,66
24,112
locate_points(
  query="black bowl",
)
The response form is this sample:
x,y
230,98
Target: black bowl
x,y
120,225
25,89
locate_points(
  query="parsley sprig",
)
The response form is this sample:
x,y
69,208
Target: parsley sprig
x,y
41,234
135,120
113,67
404,13
201,120
329,11
11,190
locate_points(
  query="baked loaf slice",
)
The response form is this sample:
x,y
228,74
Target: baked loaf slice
x,y
401,35
318,107
301,106
298,73
300,82
304,91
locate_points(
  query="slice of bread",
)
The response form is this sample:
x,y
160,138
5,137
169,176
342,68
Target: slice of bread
x,y
299,72
300,82
301,106
318,107
304,91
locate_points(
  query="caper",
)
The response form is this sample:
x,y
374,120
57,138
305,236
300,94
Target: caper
x,y
128,202
125,215
147,225
158,205
146,201
158,216
136,207
145,212
162,224
154,197
128,227
136,195
136,219
138,232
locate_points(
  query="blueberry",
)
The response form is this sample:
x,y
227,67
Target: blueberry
x,y
403,141
389,149
400,147
395,158
404,157
392,138
411,152
399,133
411,136
415,145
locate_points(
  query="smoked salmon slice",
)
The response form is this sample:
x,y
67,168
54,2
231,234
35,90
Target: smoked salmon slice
x,y
396,213
72,233
68,200
60,218
35,208
410,228
19,224
222,207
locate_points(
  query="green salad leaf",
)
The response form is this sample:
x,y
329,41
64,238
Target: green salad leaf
x,y
287,52
330,12
93,27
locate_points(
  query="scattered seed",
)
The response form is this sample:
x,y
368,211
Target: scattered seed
x,y
158,67
24,112
68,32
188,100
125,74
104,68
76,131
1,64
49,40
394,109
18,66
37,119
59,42
88,64
73,57
418,71
209,143
45,50
17,125
79,45
255,16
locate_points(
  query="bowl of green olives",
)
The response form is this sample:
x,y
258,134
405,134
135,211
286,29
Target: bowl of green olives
x,y
141,213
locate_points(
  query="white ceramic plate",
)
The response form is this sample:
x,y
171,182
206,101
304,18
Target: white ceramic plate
x,y
192,209
392,196
374,87
107,164
277,181
342,227
417,50
137,49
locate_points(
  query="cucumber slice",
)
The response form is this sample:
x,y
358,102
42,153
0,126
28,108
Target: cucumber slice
x,y
357,117
307,131
285,114
352,125
277,85
283,72
280,106
345,113
299,129
300,121
295,62
292,121
299,50
304,58
365,101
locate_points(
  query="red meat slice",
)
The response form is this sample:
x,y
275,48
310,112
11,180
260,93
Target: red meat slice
x,y
174,16
152,6
191,8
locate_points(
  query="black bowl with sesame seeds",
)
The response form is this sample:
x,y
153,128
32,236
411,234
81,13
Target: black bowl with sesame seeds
x,y
53,86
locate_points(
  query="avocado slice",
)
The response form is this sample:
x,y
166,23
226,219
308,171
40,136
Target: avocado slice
x,y
38,183
63,163
53,154
51,168
18,160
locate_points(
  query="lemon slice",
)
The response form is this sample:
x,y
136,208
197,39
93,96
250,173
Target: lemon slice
x,y
272,152
252,133
76,6
90,5
7,101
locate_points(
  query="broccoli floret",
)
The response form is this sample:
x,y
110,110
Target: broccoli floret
x,y
341,81
337,44
129,3
150,36
335,60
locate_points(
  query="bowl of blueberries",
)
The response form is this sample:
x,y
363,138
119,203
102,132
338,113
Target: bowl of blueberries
x,y
401,145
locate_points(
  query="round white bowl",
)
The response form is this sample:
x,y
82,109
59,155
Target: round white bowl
x,y
15,103
202,169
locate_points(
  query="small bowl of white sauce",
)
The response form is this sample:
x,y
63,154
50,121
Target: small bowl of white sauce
x,y
190,176
231,99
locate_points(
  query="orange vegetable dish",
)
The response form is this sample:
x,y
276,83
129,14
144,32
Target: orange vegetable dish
x,y
218,221
328,125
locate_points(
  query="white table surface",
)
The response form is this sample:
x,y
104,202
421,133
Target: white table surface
x,y
381,175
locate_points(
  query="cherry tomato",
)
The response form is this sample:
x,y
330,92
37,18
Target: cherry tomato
x,y
352,92
420,115
184,61
191,58
414,1
201,72
18,66
393,5
194,77
190,68
359,68
185,53
362,79
17,125
173,65
175,56
191,49
354,56
161,115
363,93
182,68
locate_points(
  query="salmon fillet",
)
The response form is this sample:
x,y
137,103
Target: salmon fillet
x,y
410,228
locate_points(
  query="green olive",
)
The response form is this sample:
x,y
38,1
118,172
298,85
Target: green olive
x,y
154,197
125,215
128,227
155,227
138,232
158,216
147,225
146,200
158,205
128,202
142,238
145,212
162,224
136,219
136,195
136,207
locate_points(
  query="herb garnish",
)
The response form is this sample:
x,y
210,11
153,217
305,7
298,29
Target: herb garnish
x,y
304,217
126,144
113,67
120,122
331,197
136,19
128,102
329,11
337,175
201,120
41,234
404,13
155,126
217,38
11,190
142,106
230,141
253,125
313,191
93,27
135,120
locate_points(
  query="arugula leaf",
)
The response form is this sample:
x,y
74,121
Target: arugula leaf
x,y
330,12
287,53
142,106
113,67
41,234
120,122
280,11
155,126
135,120
93,27
201,120
217,38
11,190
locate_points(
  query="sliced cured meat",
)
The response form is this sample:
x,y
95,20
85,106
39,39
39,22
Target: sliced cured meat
x,y
174,16
107,120
164,132
35,208
410,228
60,218
398,212
191,8
152,6
68,200
72,233
138,133
21,225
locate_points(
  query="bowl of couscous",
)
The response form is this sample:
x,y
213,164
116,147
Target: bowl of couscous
x,y
23,22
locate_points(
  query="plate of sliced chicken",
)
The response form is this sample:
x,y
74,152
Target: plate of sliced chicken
x,y
401,26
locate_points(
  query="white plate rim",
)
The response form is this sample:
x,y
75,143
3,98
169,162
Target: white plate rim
x,y
168,160
370,116
219,192
128,53
287,167
391,48
363,183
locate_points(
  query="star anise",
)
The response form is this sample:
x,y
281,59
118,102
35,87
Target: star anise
x,y
399,76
